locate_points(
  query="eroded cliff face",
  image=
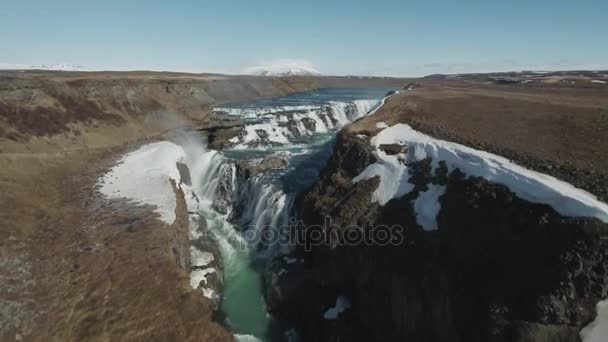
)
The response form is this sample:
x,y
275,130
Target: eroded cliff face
x,y
499,268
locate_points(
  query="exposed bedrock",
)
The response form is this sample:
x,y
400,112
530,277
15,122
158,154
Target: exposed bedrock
x,y
499,268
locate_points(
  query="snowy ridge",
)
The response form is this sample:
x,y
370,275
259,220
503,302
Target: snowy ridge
x,y
527,184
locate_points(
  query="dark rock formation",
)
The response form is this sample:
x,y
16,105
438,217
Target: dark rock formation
x,y
184,173
223,195
498,269
391,149
310,124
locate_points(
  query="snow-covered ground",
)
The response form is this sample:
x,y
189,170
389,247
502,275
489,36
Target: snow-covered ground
x,y
527,184
597,331
144,176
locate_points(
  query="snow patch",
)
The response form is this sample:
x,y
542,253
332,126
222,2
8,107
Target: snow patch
x,y
207,292
427,207
199,258
381,124
599,81
393,177
198,276
527,184
341,304
144,177
597,331
382,102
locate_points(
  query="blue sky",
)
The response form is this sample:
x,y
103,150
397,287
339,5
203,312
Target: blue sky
x,y
339,37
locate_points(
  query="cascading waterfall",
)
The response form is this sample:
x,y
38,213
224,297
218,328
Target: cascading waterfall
x,y
241,202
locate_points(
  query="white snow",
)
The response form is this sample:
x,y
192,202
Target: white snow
x,y
381,124
393,177
198,276
56,67
527,184
427,207
246,338
207,292
382,102
598,81
283,67
597,331
144,177
234,140
199,258
341,304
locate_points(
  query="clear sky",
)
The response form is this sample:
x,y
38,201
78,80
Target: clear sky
x,y
339,37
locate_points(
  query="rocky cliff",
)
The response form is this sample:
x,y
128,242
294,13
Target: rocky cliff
x,y
498,268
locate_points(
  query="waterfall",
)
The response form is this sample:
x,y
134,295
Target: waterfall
x,y
248,202
288,125
263,210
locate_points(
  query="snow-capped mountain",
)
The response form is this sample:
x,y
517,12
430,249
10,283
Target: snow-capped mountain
x,y
62,67
284,67
57,67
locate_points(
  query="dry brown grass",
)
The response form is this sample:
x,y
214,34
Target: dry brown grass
x,y
77,267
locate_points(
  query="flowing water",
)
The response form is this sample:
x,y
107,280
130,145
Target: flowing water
x,y
238,206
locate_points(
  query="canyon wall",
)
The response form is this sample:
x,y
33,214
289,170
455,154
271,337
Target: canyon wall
x,y
498,268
